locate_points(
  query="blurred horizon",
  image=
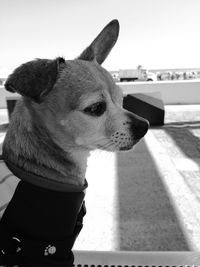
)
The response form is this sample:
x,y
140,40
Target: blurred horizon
x,y
157,34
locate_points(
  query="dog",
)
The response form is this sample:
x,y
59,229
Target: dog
x,y
67,109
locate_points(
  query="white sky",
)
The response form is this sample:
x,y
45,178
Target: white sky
x,y
154,33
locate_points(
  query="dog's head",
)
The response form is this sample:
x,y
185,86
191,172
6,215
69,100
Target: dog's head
x,y
77,100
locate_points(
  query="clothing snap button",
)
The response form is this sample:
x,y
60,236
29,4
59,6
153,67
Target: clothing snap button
x,y
49,250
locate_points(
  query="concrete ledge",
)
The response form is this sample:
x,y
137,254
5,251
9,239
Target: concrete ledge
x,y
173,92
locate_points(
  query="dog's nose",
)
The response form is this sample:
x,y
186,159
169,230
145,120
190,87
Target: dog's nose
x,y
139,126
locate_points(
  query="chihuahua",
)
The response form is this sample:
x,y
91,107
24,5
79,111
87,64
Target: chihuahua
x,y
67,109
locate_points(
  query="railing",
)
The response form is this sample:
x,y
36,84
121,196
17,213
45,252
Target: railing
x,y
136,259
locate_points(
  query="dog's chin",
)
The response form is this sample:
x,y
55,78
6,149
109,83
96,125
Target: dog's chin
x,y
126,148
129,146
119,147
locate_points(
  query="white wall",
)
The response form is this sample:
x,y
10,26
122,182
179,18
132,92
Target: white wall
x,y
172,92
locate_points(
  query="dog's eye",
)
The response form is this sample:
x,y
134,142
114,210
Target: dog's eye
x,y
96,109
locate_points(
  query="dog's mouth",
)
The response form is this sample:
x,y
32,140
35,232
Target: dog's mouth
x,y
128,139
129,147
122,141
119,142
118,146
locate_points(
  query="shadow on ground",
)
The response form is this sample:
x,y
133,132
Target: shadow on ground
x,y
147,219
182,144
186,139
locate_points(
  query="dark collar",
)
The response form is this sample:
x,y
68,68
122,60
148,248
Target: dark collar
x,y
42,181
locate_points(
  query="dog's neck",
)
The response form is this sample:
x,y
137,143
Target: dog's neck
x,y
81,158
30,147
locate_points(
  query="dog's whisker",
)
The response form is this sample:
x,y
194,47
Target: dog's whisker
x,y
100,141
104,141
107,145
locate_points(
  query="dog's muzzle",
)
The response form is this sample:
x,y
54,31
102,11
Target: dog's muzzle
x,y
39,226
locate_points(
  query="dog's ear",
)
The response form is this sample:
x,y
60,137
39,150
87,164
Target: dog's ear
x,y
35,79
102,44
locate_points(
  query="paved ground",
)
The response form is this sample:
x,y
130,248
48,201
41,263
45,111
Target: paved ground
x,y
147,199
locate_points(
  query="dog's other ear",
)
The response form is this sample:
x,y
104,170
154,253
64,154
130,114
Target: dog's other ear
x,y
102,44
35,79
